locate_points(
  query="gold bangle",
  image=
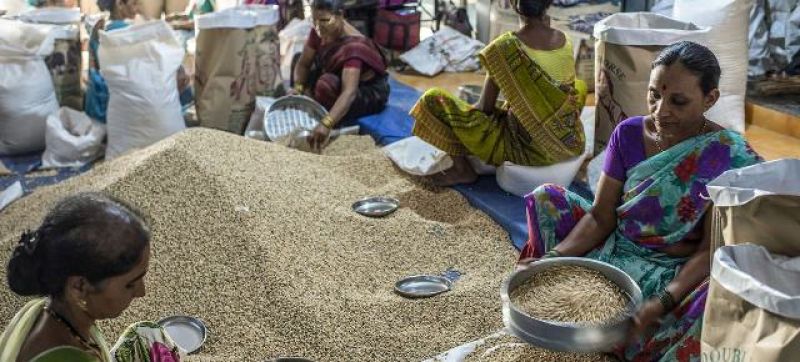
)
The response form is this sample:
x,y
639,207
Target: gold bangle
x,y
327,121
299,88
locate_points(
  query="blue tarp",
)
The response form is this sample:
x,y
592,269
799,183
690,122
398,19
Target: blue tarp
x,y
25,169
394,123
508,210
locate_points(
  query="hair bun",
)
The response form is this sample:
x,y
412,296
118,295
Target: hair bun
x,y
531,8
24,268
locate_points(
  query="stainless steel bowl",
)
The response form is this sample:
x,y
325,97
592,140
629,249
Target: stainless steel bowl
x,y
376,206
422,286
189,333
570,337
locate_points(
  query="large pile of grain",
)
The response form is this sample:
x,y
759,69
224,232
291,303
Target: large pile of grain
x,y
570,293
507,348
259,241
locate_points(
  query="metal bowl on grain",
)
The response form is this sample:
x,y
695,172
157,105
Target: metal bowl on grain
x,y
376,206
422,286
189,333
289,113
566,336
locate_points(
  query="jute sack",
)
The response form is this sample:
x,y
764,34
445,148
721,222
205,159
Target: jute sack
x,y
238,58
759,204
753,307
626,45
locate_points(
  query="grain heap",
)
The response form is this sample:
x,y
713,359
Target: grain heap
x,y
570,293
259,241
508,348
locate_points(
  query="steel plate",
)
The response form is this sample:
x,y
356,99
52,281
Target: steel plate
x,y
189,333
376,206
422,286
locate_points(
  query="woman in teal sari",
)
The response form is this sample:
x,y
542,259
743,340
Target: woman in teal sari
x,y
86,262
648,217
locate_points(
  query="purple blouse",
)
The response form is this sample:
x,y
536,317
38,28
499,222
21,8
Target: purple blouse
x,y
625,148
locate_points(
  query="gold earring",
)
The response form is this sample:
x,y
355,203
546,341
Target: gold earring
x,y
83,305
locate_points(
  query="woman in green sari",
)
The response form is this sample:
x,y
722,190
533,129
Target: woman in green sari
x,y
86,262
649,214
539,125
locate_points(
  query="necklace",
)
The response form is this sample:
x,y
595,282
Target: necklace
x,y
92,346
658,136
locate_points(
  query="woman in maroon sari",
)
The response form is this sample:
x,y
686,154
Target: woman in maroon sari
x,y
341,69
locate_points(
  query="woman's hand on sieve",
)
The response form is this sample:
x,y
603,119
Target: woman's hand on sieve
x,y
523,263
646,318
319,137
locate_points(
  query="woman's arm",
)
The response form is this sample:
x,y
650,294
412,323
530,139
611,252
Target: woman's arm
x,y
694,272
303,66
350,80
697,268
594,227
488,96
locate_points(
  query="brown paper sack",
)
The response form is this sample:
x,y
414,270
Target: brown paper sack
x,y
238,58
759,204
627,43
752,307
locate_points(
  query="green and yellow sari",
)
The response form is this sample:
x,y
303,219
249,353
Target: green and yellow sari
x,y
141,342
538,125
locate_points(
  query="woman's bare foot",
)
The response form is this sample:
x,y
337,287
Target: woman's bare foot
x,y
460,173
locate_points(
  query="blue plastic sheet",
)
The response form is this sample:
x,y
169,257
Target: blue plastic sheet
x,y
508,210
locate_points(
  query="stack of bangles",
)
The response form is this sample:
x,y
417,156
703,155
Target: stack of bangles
x,y
327,121
667,301
299,88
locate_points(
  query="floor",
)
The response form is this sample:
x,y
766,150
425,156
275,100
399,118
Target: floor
x,y
788,104
772,134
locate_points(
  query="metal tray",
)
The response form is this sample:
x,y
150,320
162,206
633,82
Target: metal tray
x,y
189,333
422,286
376,206
563,336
